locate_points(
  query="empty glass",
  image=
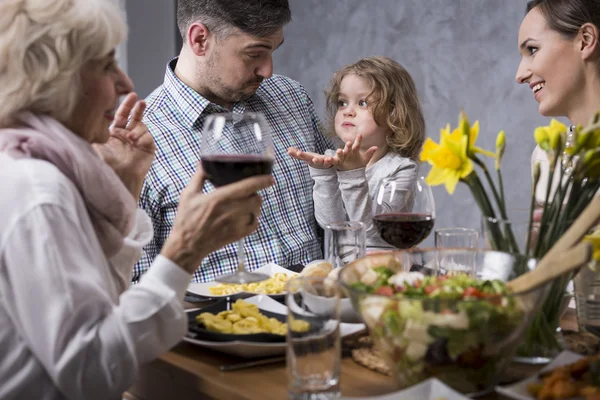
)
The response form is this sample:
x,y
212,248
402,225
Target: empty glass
x,y
344,242
313,339
464,238
587,298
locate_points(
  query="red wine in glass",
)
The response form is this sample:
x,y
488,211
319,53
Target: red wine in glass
x,y
234,147
224,169
404,210
404,230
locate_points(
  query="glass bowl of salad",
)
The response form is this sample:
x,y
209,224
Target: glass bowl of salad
x,y
429,317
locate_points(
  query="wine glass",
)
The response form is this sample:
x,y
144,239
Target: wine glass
x,y
404,211
235,147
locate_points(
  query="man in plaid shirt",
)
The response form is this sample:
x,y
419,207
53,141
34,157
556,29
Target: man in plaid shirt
x,y
226,65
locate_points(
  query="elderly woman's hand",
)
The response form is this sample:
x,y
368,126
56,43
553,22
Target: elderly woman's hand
x,y
207,222
130,148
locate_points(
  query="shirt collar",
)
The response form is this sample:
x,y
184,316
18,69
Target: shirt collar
x,y
189,103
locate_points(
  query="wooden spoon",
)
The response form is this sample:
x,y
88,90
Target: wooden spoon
x,y
551,267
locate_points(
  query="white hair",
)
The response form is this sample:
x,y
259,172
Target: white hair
x,y
43,47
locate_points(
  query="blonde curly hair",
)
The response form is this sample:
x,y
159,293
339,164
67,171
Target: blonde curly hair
x,y
393,101
43,47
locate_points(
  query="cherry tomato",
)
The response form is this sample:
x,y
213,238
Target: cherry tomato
x,y
430,289
385,291
473,292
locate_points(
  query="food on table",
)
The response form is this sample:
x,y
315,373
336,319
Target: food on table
x,y
273,285
319,268
454,327
580,379
245,318
322,269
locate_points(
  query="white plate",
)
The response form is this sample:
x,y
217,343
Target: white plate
x,y
253,349
202,289
431,389
519,390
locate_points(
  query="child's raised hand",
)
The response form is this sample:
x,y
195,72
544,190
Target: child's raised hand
x,y
313,159
350,157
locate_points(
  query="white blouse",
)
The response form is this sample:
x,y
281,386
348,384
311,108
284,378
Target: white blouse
x,y
65,330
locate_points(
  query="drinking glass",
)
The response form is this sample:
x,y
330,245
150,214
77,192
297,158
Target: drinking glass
x,y
313,354
587,298
453,238
234,147
344,242
404,211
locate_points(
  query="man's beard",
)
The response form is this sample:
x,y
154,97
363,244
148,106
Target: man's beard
x,y
221,90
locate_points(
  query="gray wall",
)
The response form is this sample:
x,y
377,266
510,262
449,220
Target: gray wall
x,y
461,53
151,42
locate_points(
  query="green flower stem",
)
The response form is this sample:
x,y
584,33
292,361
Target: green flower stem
x,y
509,233
558,214
530,225
501,185
483,201
541,235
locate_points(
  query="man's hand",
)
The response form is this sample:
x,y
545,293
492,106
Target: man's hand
x,y
130,148
207,222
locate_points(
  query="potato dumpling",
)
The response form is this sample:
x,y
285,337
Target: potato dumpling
x,y
245,318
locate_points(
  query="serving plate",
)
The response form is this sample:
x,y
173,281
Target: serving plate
x,y
203,289
198,331
519,391
431,389
249,349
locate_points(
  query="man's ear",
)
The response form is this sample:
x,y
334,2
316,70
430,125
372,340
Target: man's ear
x,y
198,36
588,37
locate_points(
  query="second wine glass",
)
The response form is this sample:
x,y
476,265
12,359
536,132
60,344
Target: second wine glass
x,y
235,147
404,211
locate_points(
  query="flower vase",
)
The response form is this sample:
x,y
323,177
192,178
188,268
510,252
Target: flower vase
x,y
543,338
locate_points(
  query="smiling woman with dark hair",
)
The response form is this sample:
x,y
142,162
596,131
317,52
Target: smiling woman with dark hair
x,y
560,49
70,230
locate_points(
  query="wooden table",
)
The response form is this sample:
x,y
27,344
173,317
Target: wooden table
x,y
190,372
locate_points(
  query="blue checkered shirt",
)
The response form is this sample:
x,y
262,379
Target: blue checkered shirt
x,y
287,233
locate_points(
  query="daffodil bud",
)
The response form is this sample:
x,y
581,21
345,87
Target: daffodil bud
x,y
536,175
556,141
590,156
500,146
585,139
541,137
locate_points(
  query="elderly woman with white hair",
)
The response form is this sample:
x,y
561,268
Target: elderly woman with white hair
x,y
70,230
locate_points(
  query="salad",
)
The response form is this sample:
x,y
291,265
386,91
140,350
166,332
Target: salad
x,y
454,327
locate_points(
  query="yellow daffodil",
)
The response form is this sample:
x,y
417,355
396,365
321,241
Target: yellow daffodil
x,y
500,146
463,129
449,160
550,137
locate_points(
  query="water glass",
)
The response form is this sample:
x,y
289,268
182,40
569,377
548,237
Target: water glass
x,y
344,242
463,238
313,339
587,299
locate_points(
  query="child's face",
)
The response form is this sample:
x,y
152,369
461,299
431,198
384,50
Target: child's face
x,y
354,115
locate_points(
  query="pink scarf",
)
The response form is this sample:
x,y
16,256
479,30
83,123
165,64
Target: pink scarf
x,y
110,205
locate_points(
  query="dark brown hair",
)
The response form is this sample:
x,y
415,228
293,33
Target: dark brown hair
x,y
254,17
393,101
567,16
